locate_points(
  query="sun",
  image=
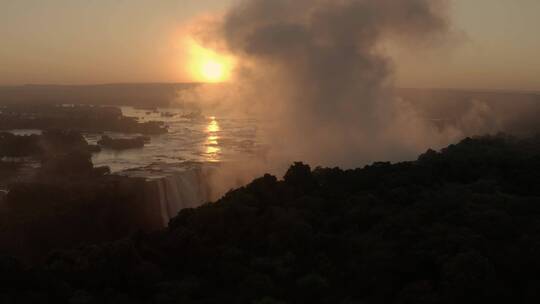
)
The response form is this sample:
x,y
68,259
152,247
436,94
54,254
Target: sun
x,y
213,71
207,65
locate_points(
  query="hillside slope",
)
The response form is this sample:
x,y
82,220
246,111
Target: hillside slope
x,y
457,226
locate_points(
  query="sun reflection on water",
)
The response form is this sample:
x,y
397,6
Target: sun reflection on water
x,y
213,150
213,126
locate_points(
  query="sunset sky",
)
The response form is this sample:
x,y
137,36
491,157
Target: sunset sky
x,y
497,43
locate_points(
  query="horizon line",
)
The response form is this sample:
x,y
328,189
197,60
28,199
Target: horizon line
x,y
475,90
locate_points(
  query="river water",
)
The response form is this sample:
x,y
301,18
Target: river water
x,y
192,139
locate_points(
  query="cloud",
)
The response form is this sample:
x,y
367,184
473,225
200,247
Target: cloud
x,y
314,68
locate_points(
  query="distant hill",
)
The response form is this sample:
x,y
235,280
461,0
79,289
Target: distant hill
x,y
158,94
477,111
453,102
449,101
473,111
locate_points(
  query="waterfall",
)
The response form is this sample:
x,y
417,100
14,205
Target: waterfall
x,y
181,190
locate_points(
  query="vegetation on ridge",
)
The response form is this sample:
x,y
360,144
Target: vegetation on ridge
x,y
457,226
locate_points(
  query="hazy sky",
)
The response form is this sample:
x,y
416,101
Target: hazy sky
x,y
98,41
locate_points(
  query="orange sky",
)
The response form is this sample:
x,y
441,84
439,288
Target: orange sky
x,y
79,41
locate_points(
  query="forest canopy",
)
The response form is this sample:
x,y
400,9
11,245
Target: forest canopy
x,y
456,226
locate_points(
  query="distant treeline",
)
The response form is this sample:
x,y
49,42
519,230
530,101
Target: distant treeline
x,y
84,118
108,94
457,226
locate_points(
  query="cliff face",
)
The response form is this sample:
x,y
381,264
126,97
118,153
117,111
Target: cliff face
x,y
40,217
62,200
50,213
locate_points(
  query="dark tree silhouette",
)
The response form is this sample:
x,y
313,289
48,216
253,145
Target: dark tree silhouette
x,y
457,226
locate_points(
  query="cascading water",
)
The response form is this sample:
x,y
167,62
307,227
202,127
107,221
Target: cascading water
x,y
181,190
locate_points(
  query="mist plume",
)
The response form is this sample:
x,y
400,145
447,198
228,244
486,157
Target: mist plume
x,y
315,68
